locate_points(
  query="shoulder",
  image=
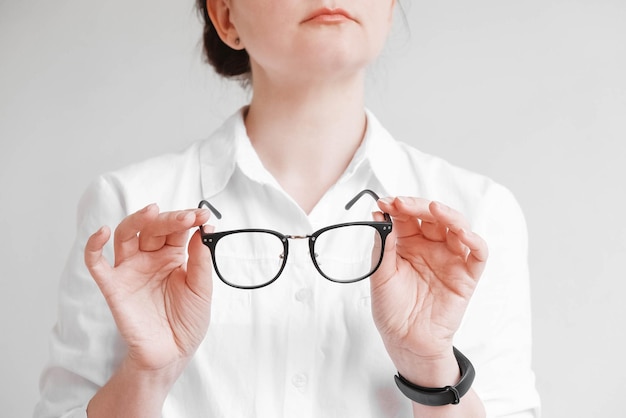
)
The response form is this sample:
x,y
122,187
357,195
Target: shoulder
x,y
404,170
480,197
153,180
491,208
438,175
167,180
172,180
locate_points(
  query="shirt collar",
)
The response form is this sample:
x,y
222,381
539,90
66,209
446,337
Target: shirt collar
x,y
229,148
380,151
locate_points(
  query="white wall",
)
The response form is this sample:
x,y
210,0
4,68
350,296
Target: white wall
x,y
531,93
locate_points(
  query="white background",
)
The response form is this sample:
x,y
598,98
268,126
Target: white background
x,y
531,93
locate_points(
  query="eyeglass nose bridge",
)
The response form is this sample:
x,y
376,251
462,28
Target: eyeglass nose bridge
x,y
298,236
311,239
312,252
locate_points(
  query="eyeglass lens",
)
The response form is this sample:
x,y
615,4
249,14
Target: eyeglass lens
x,y
249,259
344,254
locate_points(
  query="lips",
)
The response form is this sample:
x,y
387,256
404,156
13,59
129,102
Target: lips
x,y
326,15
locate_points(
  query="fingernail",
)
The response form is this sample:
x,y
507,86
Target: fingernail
x,y
387,200
147,208
443,207
203,211
182,216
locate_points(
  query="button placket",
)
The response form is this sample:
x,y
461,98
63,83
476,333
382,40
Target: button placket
x,y
300,380
303,295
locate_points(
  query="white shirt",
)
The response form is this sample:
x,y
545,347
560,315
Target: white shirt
x,y
302,346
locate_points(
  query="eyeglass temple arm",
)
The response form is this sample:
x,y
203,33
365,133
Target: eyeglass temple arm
x,y
364,192
358,196
204,203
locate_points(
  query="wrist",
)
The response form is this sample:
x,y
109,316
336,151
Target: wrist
x,y
443,394
134,391
161,377
436,370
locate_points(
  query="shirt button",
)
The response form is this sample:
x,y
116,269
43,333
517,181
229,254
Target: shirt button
x,y
299,380
303,295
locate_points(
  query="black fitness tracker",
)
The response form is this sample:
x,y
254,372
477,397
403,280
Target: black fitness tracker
x,y
440,396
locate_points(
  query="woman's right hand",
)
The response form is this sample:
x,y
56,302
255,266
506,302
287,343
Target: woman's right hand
x,y
160,300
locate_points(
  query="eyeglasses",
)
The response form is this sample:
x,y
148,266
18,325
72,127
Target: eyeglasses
x,y
254,258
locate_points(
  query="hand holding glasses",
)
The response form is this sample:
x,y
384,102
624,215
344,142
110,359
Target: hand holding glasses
x,y
254,258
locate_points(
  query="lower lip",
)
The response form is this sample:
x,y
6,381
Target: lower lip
x,y
330,18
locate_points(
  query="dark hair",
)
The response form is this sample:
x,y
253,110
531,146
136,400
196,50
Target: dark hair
x,y
226,61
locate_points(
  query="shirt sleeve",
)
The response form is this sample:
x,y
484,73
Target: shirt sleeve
x,y
496,333
85,347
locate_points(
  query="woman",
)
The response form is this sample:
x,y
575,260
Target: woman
x,y
159,336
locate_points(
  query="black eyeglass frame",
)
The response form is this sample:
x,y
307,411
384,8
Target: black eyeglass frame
x,y
383,228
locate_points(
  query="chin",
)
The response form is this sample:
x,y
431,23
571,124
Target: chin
x,y
337,61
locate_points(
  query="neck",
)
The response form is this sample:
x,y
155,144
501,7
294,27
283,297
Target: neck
x,y
306,134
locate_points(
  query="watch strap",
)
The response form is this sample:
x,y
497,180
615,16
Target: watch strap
x,y
440,396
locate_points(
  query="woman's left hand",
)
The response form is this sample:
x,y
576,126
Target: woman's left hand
x,y
430,268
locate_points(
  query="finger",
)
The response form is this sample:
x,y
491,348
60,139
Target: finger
x,y
460,238
126,242
452,219
455,245
180,239
171,228
172,225
199,267
434,231
478,252
387,267
407,207
407,214
454,222
94,259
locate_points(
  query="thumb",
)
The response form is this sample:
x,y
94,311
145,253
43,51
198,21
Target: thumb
x,y
199,269
97,265
387,267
